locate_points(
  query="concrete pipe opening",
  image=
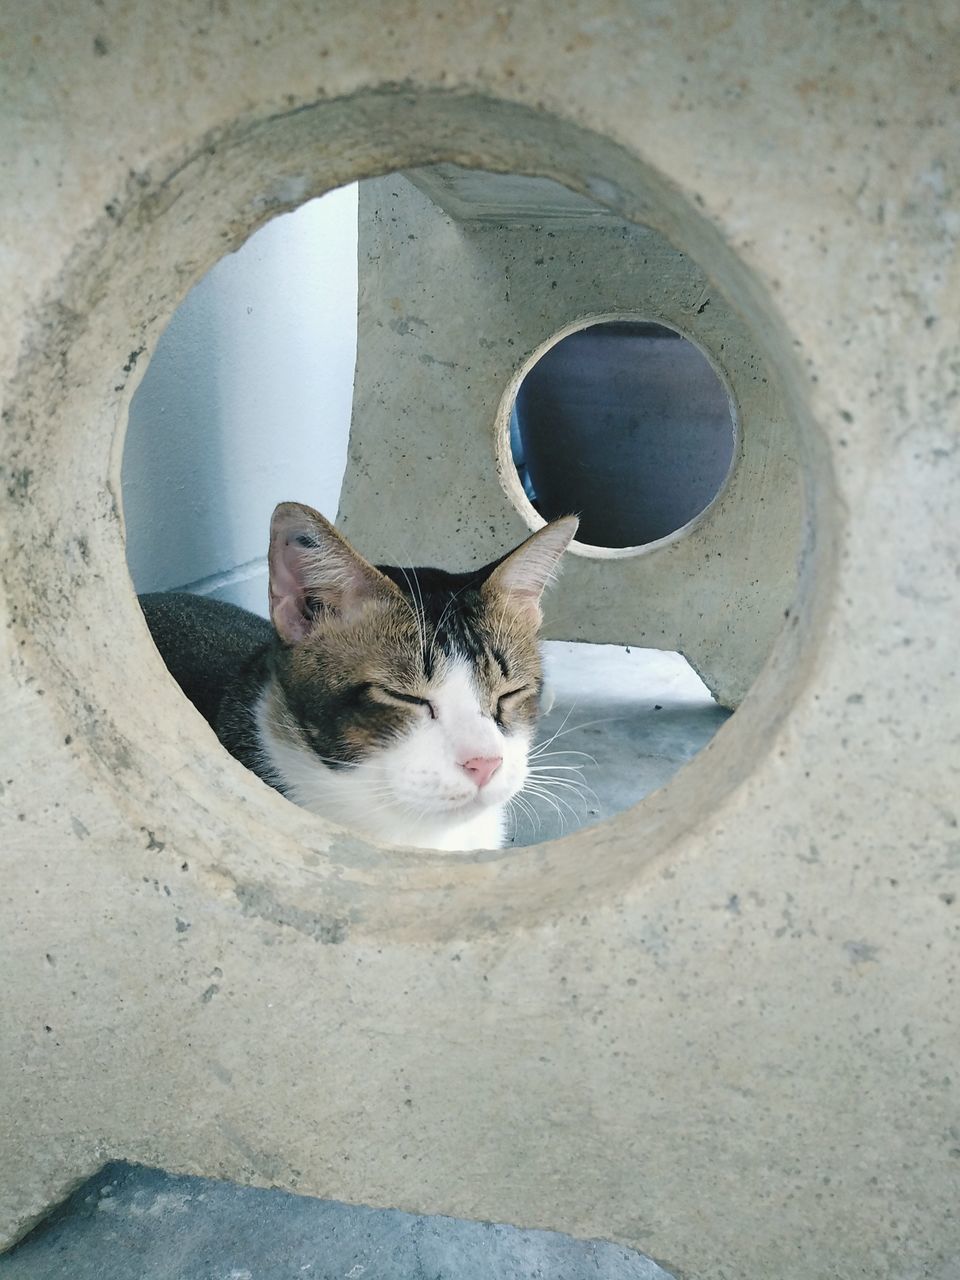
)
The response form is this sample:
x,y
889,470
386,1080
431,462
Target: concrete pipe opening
x,y
120,709
627,423
248,402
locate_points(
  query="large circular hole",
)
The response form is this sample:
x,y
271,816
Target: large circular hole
x,y
628,424
267,389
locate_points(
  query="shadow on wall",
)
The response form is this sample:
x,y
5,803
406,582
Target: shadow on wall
x,y
245,403
131,1221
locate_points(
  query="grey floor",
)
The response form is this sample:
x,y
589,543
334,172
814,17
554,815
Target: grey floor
x,y
623,721
629,720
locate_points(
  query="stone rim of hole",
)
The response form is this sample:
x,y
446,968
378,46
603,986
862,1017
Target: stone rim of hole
x,y
507,471
130,730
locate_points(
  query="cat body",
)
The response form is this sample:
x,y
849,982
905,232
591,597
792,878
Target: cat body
x,y
399,703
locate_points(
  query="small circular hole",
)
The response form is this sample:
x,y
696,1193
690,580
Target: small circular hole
x,y
627,424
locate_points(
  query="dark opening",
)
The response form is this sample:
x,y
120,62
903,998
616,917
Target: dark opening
x,y
626,423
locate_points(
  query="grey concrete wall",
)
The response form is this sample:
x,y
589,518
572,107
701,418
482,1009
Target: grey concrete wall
x,y
451,315
722,1027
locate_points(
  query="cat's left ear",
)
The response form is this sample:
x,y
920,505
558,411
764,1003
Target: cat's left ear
x,y
314,568
523,575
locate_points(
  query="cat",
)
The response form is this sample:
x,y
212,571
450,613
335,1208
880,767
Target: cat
x,y
401,703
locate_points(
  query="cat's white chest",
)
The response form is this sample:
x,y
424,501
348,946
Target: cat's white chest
x,y
482,832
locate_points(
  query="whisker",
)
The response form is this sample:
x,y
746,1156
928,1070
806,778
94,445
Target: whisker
x,y
528,809
423,618
563,768
419,617
550,755
561,800
587,724
340,764
563,722
577,786
551,801
512,813
580,785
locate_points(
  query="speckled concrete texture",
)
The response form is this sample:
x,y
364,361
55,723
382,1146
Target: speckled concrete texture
x,y
453,312
579,1036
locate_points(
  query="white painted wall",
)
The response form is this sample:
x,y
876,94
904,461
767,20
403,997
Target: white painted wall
x,y
246,403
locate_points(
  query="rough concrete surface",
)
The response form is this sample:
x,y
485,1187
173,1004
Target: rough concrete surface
x,y
453,312
625,720
581,1035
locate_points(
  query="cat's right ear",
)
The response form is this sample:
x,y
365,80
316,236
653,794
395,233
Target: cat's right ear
x,y
522,576
313,569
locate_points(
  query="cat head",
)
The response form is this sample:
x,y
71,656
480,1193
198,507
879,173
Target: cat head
x,y
404,700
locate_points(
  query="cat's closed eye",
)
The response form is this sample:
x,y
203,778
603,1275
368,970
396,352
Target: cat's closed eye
x,y
395,695
507,701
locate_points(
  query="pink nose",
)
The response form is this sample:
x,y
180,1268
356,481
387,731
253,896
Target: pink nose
x,y
482,768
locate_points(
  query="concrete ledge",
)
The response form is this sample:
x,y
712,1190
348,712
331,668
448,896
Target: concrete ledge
x,y
131,1221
